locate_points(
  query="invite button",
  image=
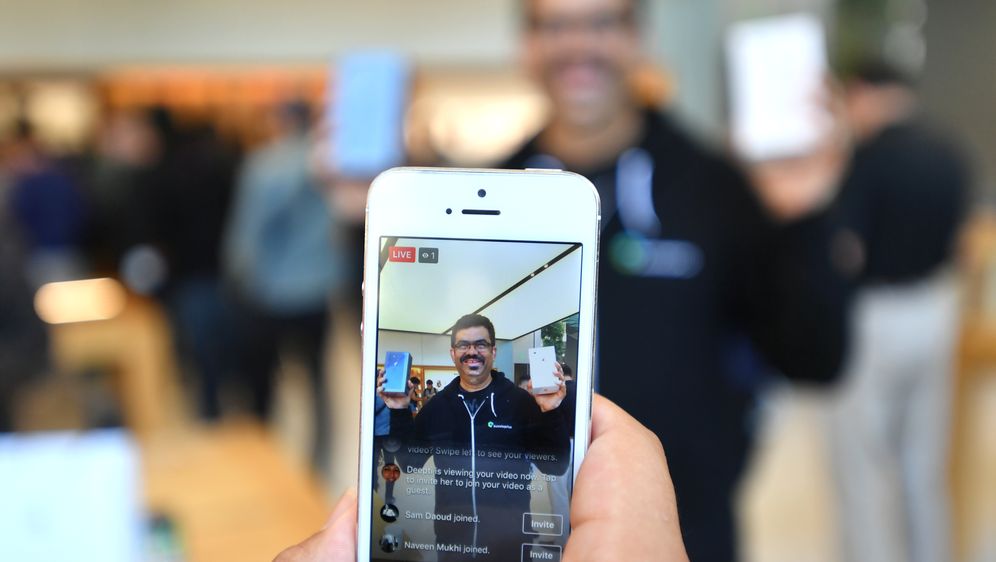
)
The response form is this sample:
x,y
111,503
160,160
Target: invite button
x,y
543,524
541,553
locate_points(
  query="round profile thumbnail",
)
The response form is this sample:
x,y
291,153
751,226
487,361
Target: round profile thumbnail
x,y
391,472
389,543
392,445
389,512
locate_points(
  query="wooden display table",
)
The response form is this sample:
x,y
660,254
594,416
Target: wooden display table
x,y
231,493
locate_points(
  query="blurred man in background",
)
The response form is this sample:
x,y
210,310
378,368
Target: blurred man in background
x,y
902,202
186,198
430,390
23,339
281,256
694,261
47,207
119,174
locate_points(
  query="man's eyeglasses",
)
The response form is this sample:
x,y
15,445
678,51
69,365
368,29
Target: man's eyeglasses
x,y
480,345
598,23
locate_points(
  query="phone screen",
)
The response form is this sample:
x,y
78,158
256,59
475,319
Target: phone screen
x,y
471,465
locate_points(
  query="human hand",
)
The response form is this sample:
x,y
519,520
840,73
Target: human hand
x,y
394,401
552,401
792,188
336,542
608,521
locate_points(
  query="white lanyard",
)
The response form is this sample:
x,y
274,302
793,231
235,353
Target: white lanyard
x,y
635,193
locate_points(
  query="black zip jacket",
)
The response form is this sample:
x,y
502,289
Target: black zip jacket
x,y
905,197
485,440
691,292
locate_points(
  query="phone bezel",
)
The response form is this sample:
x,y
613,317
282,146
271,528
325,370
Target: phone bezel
x,y
533,205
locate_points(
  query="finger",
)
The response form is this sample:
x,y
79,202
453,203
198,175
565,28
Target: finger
x,y
347,502
336,542
606,416
339,542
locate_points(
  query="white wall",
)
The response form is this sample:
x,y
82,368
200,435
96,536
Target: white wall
x,y
70,33
520,347
426,349
684,36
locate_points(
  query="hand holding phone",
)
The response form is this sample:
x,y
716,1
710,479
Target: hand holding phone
x,y
553,394
604,485
785,122
464,270
792,188
544,369
393,401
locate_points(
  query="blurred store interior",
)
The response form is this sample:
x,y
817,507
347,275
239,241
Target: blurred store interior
x,y
96,322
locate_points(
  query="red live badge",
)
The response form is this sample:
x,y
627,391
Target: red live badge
x,y
401,253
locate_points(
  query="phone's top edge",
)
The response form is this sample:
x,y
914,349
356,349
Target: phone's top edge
x,y
478,170
484,171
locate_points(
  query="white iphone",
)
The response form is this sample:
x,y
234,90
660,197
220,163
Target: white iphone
x,y
778,99
462,269
542,371
369,93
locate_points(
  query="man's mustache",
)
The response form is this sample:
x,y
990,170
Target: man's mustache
x,y
599,62
466,358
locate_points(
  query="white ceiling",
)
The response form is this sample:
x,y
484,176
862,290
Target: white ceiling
x,y
68,33
429,298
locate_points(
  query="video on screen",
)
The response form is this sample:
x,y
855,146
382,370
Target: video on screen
x,y
477,342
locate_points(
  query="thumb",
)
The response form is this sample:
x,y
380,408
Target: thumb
x,y
346,504
336,542
338,538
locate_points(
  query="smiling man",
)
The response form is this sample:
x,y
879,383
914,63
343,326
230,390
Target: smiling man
x,y
698,264
482,432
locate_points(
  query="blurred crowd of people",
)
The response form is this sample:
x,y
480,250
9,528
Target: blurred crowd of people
x,y
834,268
239,245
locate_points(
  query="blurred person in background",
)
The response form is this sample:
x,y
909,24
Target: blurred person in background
x,y
902,202
184,206
23,339
430,390
525,381
281,256
385,448
118,176
48,208
694,260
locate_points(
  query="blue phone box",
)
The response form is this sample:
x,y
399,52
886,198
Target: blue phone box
x,y
397,369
